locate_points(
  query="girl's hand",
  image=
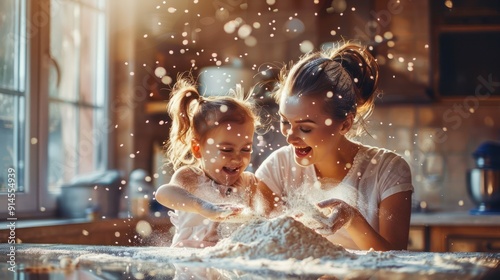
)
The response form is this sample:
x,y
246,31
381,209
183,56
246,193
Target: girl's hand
x,y
341,215
220,212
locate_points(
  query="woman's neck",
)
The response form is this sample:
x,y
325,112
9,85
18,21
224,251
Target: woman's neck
x,y
340,163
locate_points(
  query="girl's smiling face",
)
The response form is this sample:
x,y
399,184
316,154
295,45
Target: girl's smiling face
x,y
226,150
313,133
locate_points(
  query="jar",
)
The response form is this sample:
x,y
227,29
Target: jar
x,y
140,194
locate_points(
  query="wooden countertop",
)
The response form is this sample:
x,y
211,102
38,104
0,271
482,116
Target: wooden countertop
x,y
118,231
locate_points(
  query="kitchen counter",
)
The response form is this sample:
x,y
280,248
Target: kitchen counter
x,y
117,231
23,261
29,223
459,218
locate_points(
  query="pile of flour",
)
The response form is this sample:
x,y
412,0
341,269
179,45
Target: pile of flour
x,y
279,238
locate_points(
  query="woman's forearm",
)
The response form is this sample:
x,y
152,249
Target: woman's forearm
x,y
394,225
265,200
366,237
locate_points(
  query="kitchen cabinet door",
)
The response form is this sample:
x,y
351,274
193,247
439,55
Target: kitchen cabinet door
x,y
465,239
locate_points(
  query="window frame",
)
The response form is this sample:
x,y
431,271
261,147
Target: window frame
x,y
37,201
23,201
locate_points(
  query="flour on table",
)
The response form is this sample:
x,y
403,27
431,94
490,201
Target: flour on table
x,y
225,259
279,238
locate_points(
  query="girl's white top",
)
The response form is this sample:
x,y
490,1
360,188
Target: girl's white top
x,y
375,174
194,230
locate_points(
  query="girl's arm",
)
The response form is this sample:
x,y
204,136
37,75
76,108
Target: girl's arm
x,y
177,198
178,195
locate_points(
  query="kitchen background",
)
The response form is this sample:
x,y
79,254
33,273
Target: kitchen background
x,y
439,87
434,128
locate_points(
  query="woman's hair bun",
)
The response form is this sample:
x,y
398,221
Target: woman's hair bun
x,y
362,67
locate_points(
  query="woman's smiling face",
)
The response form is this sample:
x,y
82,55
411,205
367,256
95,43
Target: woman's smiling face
x,y
313,133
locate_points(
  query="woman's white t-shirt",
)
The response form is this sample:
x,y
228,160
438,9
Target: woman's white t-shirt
x,y
375,174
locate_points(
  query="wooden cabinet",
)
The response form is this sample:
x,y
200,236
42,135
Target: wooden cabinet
x,y
454,231
122,232
454,238
464,238
418,239
460,68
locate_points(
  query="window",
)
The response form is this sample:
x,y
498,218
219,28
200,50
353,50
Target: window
x,y
12,97
53,118
77,89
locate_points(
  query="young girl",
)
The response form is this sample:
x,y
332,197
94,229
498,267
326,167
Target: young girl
x,y
363,193
209,147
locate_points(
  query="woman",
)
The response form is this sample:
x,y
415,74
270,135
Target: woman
x,y
363,193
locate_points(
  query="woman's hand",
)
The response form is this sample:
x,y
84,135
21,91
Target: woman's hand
x,y
394,216
341,215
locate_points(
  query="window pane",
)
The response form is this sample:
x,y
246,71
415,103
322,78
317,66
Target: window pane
x,y
62,152
12,138
77,105
13,112
101,56
88,52
86,141
65,40
10,14
77,137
